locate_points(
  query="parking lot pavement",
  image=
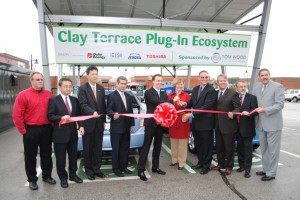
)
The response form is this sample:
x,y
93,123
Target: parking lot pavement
x,y
176,184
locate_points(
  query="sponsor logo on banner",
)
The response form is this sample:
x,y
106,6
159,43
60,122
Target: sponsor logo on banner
x,y
234,58
154,56
134,56
63,54
216,57
116,55
95,55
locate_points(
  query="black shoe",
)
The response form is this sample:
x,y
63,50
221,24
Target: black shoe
x,y
142,176
118,173
76,179
204,171
49,180
91,177
33,185
100,174
159,171
260,173
240,169
173,164
64,183
198,166
267,178
127,171
247,174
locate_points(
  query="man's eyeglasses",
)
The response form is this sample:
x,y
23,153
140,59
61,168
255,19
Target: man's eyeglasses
x,y
204,77
67,86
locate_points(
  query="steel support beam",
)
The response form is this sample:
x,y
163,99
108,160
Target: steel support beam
x,y
188,81
260,44
44,47
167,23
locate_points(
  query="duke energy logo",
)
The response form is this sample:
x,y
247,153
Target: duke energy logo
x,y
95,55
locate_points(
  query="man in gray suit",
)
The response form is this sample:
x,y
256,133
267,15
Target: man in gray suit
x,y
270,97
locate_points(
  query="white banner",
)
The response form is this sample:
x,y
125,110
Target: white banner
x,y
103,46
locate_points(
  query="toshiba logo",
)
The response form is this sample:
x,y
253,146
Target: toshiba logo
x,y
153,56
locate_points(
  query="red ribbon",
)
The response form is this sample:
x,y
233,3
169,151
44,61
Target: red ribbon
x,y
165,114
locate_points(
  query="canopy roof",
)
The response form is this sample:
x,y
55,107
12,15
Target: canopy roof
x,y
216,11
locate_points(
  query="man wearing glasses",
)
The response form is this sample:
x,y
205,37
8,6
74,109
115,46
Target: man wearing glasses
x,y
204,98
30,117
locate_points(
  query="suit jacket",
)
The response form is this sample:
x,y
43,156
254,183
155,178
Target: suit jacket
x,y
229,102
272,99
56,109
152,100
247,123
115,104
207,101
89,105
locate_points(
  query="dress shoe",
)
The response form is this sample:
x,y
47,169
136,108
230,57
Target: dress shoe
x,y
91,177
260,173
180,168
76,179
198,166
100,174
142,176
127,171
49,180
64,183
240,169
247,174
204,171
267,178
173,164
228,171
218,167
118,173
33,185
159,171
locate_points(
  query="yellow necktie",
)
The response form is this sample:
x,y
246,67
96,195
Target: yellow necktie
x,y
124,100
94,91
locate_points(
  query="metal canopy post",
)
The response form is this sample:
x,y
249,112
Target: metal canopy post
x,y
188,81
44,47
260,43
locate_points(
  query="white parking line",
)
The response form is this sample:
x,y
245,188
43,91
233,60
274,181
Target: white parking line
x,y
290,153
291,129
187,167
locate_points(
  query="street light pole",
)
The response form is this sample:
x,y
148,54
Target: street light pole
x,y
35,61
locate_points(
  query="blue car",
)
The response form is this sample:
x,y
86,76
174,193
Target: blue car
x,y
136,138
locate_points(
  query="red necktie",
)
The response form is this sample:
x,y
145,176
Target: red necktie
x,y
68,106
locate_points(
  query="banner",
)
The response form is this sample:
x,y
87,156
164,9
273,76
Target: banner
x,y
103,46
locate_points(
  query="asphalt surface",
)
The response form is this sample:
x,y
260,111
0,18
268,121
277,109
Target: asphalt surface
x,y
176,184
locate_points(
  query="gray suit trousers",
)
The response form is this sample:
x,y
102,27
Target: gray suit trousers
x,y
270,150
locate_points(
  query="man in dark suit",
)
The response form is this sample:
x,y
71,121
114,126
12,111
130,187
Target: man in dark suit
x,y
65,138
153,98
246,131
204,98
120,127
226,125
91,97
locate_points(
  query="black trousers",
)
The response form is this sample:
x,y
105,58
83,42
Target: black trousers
x,y
204,145
225,145
38,136
150,133
92,151
120,149
244,151
61,149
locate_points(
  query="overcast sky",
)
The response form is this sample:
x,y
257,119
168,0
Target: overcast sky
x,y
19,36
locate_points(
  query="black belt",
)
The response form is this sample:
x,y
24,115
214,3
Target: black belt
x,y
37,126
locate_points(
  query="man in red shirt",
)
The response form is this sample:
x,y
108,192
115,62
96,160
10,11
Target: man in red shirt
x,y
30,117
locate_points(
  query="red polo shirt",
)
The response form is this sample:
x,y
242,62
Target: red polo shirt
x,y
31,107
